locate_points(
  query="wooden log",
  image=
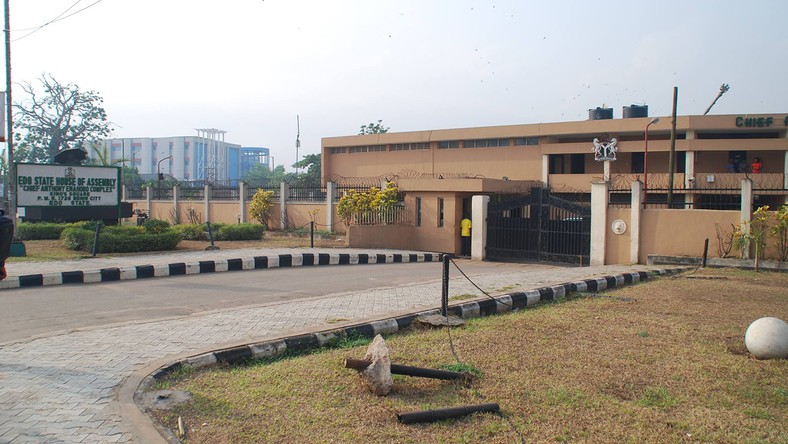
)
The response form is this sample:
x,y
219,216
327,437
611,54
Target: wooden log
x,y
440,414
397,369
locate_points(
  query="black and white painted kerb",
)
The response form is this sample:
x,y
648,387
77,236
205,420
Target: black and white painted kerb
x,y
213,266
485,307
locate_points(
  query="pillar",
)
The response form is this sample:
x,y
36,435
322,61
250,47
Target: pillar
x,y
148,193
606,170
176,219
545,168
634,221
599,201
746,211
283,195
689,179
479,206
242,202
330,190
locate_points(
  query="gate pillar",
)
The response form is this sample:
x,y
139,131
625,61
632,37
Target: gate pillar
x,y
479,227
599,201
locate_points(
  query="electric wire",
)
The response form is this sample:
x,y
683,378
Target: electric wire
x,y
58,18
459,361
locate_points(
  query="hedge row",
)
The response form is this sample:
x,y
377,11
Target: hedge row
x,y
40,230
120,239
221,231
154,235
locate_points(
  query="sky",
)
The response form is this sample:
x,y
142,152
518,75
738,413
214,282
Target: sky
x,y
249,67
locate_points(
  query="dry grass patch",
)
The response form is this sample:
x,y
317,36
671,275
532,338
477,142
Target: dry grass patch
x,y
660,366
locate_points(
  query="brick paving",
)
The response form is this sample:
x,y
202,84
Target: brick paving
x,y
63,389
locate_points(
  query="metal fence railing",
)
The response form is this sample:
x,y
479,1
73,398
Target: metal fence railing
x,y
396,215
307,194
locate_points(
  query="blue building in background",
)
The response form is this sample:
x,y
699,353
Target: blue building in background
x,y
251,156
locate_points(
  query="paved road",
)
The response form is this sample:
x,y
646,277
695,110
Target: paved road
x,y
64,388
37,311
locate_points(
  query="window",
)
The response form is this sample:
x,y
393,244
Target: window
x,y
577,164
556,164
366,148
637,162
418,211
440,211
409,146
448,144
337,149
523,141
681,161
485,143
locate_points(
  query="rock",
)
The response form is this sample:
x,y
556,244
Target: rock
x,y
378,374
767,338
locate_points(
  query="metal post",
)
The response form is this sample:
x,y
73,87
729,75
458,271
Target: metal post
x,y
445,288
10,182
705,252
312,234
96,238
671,161
645,160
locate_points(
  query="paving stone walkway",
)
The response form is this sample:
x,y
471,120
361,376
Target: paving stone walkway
x,y
63,389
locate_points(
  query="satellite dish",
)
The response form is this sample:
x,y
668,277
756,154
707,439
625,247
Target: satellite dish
x,y
71,156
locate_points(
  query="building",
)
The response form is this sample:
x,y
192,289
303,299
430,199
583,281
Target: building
x,y
710,152
251,156
203,157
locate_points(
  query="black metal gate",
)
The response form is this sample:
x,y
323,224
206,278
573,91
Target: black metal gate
x,y
539,227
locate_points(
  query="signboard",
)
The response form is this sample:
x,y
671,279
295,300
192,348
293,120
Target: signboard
x,y
67,186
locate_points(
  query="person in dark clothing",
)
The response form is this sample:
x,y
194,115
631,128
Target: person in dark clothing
x,y
6,236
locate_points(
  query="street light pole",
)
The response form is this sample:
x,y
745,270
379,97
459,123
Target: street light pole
x,y
158,172
645,161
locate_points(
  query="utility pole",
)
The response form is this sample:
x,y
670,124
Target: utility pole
x,y
298,141
671,160
10,181
723,89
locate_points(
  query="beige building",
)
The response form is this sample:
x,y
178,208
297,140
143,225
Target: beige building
x,y
708,148
440,170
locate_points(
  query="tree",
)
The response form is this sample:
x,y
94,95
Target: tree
x,y
310,163
261,173
63,116
374,128
260,208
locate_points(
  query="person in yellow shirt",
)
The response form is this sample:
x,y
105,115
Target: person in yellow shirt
x,y
465,235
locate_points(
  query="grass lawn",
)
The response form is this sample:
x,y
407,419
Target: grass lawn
x,y
658,362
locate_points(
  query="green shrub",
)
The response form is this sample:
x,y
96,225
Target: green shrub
x,y
192,231
120,240
40,230
239,232
156,226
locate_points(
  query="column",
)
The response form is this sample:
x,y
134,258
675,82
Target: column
x,y
746,212
479,227
545,168
689,179
283,191
176,215
148,193
330,187
599,201
242,201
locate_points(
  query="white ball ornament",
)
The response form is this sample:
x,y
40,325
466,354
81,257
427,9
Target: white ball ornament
x,y
767,338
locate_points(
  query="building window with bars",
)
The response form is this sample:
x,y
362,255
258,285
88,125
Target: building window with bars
x,y
448,144
440,212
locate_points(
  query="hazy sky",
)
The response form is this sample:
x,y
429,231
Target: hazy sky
x,y
165,67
